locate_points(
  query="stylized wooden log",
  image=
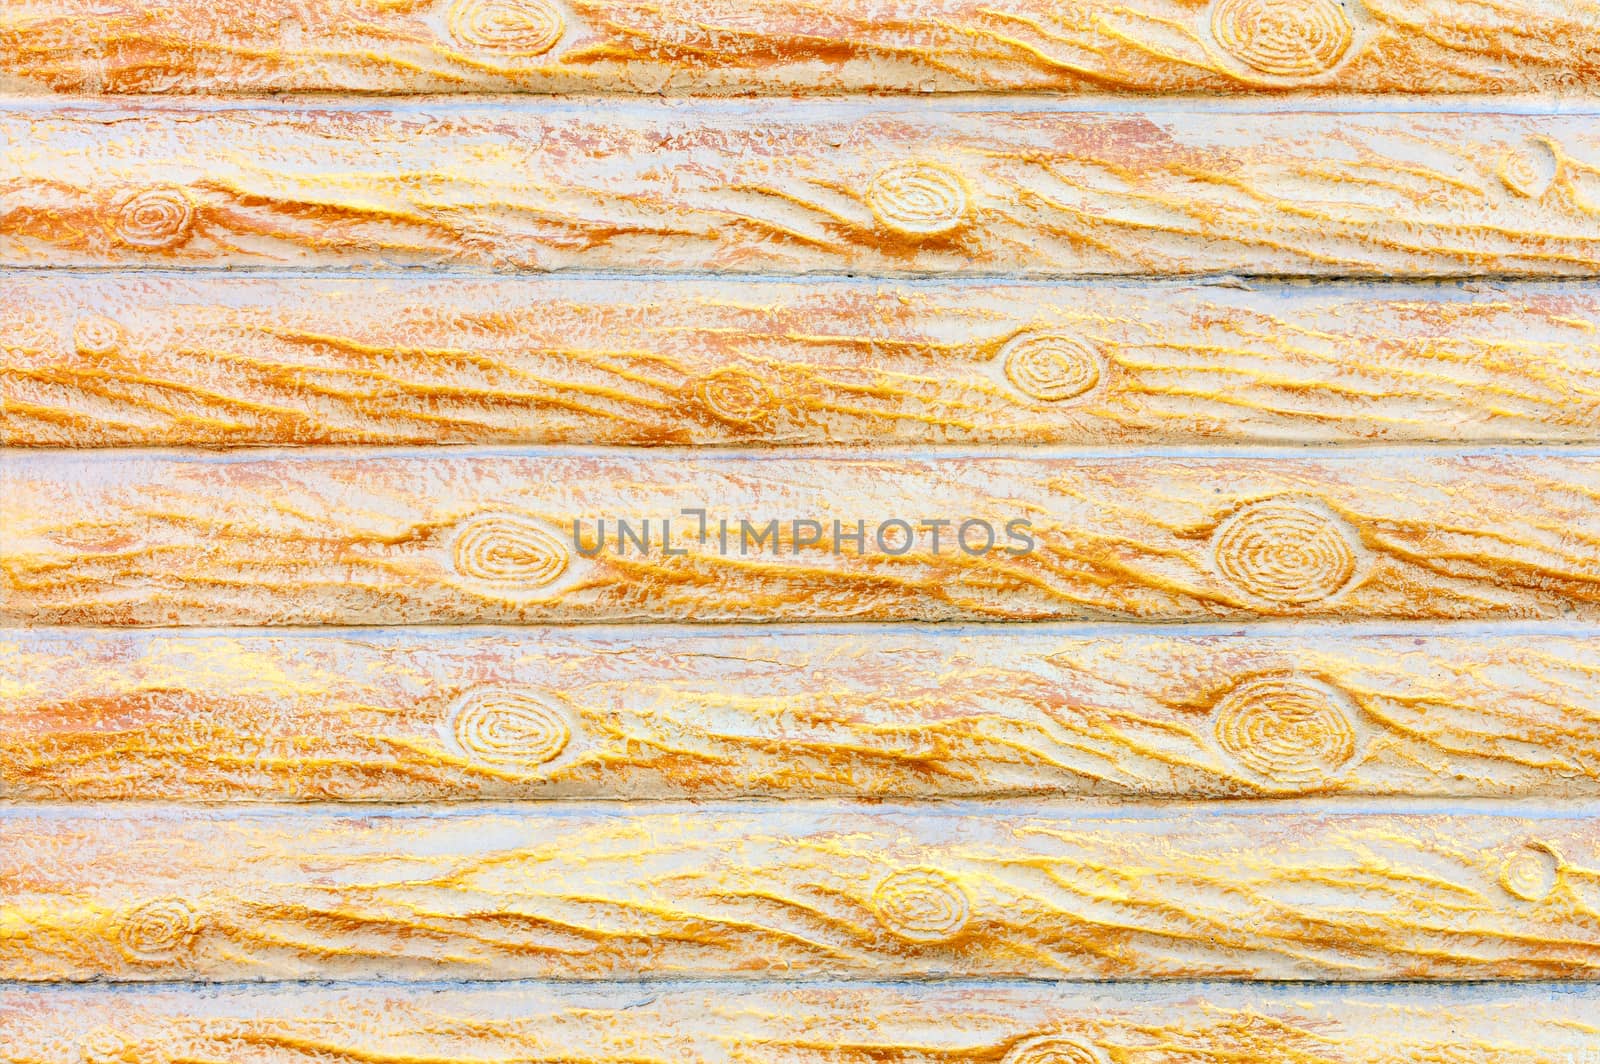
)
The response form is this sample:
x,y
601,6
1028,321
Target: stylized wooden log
x,y
356,537
97,360
805,712
784,46
883,186
141,893
726,1023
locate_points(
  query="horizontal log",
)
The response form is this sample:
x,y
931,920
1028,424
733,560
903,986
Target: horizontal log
x,y
98,360
156,893
785,1024
783,187
136,538
784,46
809,712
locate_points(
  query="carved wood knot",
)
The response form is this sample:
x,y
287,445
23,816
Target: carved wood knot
x,y
1053,1049
509,27
1287,550
918,199
1286,729
507,550
97,335
501,726
1050,367
921,904
737,395
1283,38
155,218
157,930
1531,873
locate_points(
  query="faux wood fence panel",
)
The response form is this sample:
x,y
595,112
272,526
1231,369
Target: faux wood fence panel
x,y
1256,336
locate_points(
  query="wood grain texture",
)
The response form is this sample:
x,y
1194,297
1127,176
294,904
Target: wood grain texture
x,y
788,1023
160,893
96,360
796,712
783,46
437,536
781,186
